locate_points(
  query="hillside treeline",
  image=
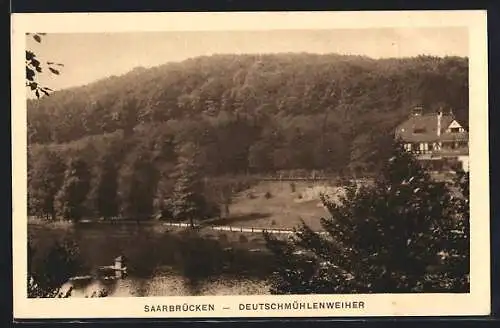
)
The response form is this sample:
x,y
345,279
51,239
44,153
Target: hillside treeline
x,y
238,114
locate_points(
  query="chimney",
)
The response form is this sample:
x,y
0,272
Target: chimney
x,y
439,116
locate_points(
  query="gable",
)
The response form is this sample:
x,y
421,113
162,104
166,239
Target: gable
x,y
455,127
454,124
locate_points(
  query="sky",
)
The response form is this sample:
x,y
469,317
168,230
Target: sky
x,y
93,56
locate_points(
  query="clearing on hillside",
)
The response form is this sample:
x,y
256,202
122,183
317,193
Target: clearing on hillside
x,y
279,205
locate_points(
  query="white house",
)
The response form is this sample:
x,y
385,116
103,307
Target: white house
x,y
436,138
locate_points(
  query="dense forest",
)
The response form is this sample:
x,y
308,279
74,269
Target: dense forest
x,y
124,144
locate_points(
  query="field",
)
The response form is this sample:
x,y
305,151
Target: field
x,y
275,205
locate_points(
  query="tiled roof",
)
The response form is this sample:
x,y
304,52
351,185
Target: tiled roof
x,y
427,123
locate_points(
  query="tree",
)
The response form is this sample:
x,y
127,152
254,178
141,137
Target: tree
x,y
74,191
128,115
138,179
188,201
226,196
220,191
456,255
164,190
35,67
105,188
404,233
46,175
47,271
259,156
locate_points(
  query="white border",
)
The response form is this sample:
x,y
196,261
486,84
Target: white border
x,y
475,303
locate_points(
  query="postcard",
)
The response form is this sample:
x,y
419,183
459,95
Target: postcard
x,y
250,164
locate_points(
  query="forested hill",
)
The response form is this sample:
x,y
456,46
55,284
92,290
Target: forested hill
x,y
255,112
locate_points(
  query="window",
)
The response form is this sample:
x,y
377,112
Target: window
x,y
455,130
436,146
419,130
424,146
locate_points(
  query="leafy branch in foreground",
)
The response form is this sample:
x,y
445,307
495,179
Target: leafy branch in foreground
x,y
34,67
405,233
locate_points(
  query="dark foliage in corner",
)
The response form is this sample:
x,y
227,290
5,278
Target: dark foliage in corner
x,y
50,269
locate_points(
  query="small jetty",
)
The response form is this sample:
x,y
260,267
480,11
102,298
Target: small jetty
x,y
116,271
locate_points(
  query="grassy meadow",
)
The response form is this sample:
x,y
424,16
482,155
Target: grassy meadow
x,y
275,205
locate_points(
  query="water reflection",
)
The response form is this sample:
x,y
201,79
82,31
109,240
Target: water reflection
x,y
170,285
159,262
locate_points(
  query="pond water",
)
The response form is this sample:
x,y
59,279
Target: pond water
x,y
171,284
159,262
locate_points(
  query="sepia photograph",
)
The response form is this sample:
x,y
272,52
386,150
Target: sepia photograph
x,y
303,162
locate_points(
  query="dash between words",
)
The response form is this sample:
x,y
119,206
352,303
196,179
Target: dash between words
x,y
258,306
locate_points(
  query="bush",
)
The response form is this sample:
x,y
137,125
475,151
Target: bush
x,y
164,209
211,210
267,195
48,271
405,233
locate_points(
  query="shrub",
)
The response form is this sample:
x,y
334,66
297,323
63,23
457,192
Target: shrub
x,y
48,271
405,233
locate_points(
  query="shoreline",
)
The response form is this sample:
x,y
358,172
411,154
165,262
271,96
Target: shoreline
x,y
237,239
